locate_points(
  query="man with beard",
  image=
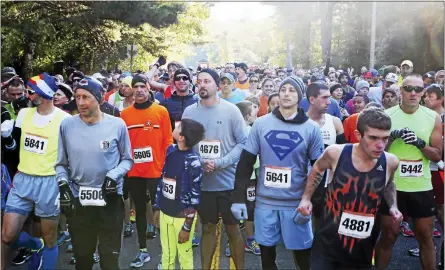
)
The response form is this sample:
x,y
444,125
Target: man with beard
x,y
35,187
182,97
225,135
343,78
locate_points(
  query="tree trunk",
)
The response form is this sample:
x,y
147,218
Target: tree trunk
x,y
28,57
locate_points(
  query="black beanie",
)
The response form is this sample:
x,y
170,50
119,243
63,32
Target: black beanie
x,y
139,78
91,85
182,71
242,66
212,73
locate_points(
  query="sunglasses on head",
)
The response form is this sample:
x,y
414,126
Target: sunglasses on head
x,y
410,88
183,78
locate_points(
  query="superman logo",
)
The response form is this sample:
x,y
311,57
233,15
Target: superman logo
x,y
283,142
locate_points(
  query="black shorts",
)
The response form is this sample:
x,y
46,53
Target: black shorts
x,y
415,204
214,203
142,189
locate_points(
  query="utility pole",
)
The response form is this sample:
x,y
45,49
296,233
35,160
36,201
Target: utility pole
x,y
372,52
327,37
131,58
289,55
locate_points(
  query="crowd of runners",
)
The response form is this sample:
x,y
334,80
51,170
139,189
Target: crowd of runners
x,y
333,164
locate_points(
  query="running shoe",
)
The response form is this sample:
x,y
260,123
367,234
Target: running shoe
x,y
22,257
228,252
70,248
128,230
141,258
132,216
73,260
436,233
252,246
96,257
414,252
159,267
36,260
63,238
151,231
241,225
195,240
406,230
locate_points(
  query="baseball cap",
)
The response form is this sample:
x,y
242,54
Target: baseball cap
x,y
8,71
98,76
367,75
374,72
228,76
407,62
319,78
392,77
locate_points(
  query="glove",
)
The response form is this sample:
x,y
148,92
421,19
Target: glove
x,y
395,134
66,196
409,137
239,210
7,127
109,188
299,219
161,60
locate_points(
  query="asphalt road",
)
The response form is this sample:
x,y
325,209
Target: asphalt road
x,y
400,259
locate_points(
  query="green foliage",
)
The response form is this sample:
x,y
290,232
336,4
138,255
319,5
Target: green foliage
x,y
95,34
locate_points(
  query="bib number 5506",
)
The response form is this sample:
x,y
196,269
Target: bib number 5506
x,y
91,195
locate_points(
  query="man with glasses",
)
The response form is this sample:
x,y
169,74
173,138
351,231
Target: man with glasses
x,y
150,134
182,97
416,139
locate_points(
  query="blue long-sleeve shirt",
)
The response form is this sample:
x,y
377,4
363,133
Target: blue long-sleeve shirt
x,y
190,175
88,153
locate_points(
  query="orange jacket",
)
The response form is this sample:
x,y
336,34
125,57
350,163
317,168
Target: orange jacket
x,y
148,128
349,125
264,107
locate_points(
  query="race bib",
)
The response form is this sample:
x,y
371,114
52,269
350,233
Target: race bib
x,y
90,196
169,188
142,155
251,194
210,149
35,144
277,177
411,168
357,225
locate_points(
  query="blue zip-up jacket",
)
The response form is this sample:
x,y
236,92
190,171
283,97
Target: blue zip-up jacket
x,y
176,105
191,179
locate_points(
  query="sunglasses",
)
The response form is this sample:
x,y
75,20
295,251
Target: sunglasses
x,y
77,80
30,92
253,81
183,78
410,88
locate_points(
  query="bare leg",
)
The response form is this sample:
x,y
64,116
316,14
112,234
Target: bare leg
x,y
236,242
423,229
388,236
12,225
208,245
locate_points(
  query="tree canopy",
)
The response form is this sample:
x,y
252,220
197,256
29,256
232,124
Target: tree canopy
x,y
93,34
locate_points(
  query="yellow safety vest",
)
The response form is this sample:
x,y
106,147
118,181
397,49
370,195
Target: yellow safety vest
x,y
38,146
